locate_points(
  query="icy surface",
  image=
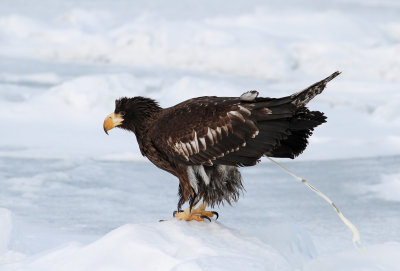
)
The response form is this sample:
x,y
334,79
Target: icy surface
x,y
376,257
73,198
5,230
387,188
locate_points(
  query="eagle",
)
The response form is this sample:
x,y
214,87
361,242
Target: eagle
x,y
204,141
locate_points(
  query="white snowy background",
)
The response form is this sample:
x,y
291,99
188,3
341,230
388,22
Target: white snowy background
x,y
72,198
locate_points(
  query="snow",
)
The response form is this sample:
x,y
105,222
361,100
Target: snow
x,y
103,214
169,245
73,198
376,257
388,187
5,231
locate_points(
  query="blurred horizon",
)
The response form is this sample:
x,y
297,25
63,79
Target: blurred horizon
x,y
62,65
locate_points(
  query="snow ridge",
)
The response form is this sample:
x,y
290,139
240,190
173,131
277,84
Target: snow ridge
x,y
170,245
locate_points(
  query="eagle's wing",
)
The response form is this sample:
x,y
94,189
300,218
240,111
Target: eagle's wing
x,y
236,131
202,130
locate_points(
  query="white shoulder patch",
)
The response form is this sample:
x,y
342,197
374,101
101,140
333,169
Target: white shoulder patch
x,y
249,96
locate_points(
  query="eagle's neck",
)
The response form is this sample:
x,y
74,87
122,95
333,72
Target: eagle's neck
x,y
142,114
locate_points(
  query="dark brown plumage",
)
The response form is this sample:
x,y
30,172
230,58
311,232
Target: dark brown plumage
x,y
204,140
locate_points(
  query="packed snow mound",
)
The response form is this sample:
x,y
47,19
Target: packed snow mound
x,y
169,245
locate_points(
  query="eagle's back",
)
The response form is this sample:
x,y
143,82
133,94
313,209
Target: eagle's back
x,y
237,131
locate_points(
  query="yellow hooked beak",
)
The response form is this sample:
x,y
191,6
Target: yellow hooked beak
x,y
111,121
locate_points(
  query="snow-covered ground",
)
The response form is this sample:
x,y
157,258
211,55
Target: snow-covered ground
x,y
88,214
74,199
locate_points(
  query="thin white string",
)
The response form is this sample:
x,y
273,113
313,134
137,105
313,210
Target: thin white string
x,y
356,235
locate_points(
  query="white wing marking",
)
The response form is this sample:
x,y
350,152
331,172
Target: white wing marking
x,y
210,136
202,142
244,110
236,114
184,148
265,111
225,129
255,134
214,135
189,148
218,130
196,142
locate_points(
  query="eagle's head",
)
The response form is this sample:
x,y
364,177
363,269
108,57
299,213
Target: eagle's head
x,y
130,113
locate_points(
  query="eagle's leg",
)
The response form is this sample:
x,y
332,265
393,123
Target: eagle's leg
x,y
198,214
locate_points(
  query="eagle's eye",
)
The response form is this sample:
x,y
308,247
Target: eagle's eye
x,y
122,113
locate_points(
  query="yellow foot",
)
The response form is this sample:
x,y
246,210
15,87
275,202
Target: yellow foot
x,y
186,217
195,215
206,213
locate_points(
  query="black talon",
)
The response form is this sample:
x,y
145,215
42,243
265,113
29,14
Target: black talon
x,y
216,214
174,213
162,220
205,217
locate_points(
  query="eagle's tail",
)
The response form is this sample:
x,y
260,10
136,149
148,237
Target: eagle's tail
x,y
284,125
303,121
301,98
291,112
301,127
